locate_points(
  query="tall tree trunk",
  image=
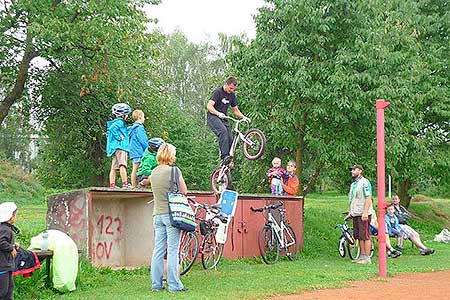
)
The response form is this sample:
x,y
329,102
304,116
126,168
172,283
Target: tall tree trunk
x,y
21,78
313,180
299,153
403,188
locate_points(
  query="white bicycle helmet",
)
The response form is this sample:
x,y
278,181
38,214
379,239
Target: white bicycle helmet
x,y
121,109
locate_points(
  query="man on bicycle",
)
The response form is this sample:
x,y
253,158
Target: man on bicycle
x,y
217,107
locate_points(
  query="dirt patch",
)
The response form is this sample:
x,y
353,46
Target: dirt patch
x,y
411,286
421,198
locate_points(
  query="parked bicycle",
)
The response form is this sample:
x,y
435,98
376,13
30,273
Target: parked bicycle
x,y
211,247
254,144
348,244
276,236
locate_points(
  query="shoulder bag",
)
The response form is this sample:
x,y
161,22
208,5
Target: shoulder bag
x,y
181,214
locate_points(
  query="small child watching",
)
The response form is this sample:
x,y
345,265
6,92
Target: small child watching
x,y
148,162
275,176
392,225
138,143
8,248
117,144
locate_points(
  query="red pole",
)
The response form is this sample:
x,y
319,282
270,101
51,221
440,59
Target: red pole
x,y
381,105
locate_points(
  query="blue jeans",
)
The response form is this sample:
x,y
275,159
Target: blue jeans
x,y
166,237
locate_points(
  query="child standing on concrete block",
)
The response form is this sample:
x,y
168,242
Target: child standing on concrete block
x,y
138,143
117,144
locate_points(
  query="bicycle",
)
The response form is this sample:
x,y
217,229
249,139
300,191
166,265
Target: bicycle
x,y
254,144
347,242
211,248
275,236
189,248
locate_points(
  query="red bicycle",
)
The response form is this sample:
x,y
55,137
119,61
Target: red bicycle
x,y
210,248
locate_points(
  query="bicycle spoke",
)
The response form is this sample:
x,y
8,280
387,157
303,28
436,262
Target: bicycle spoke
x,y
268,245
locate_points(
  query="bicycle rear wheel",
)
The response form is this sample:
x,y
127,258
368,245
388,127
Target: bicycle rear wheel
x,y
290,243
257,145
220,184
353,250
269,247
211,251
189,247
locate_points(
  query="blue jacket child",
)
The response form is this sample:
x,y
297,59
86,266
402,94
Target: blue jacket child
x,y
117,136
118,144
138,140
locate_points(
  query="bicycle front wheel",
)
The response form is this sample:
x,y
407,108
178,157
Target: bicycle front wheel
x,y
341,246
269,247
254,148
290,243
211,251
189,247
222,183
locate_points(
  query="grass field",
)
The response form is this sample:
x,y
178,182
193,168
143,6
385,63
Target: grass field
x,y
319,265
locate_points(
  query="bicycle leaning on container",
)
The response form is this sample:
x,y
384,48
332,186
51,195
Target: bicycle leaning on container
x,y
276,236
211,246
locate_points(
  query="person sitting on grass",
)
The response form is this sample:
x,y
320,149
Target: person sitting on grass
x,y
406,232
390,251
392,226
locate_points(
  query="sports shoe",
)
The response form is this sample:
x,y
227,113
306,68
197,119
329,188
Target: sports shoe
x,y
395,253
365,261
427,251
356,260
182,290
227,160
399,247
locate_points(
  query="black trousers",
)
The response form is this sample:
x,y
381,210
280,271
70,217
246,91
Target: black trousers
x,y
6,286
222,130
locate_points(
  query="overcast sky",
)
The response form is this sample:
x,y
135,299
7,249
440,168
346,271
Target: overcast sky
x,y
202,20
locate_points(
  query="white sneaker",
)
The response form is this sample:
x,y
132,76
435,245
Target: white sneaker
x,y
365,261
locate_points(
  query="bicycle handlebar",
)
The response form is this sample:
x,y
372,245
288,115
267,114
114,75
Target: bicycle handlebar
x,y
267,207
237,120
212,209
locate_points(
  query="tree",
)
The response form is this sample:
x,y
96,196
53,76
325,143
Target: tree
x,y
101,57
190,73
53,29
313,73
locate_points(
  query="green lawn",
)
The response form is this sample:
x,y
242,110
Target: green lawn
x,y
319,265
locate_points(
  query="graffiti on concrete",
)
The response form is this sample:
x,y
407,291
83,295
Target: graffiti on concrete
x,y
109,230
67,213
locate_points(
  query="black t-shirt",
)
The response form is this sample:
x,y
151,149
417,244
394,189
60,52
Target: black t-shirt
x,y
222,100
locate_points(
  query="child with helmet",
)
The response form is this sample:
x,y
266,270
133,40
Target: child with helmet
x,y
117,144
148,162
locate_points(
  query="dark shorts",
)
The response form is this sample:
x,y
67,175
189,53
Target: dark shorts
x,y
361,228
